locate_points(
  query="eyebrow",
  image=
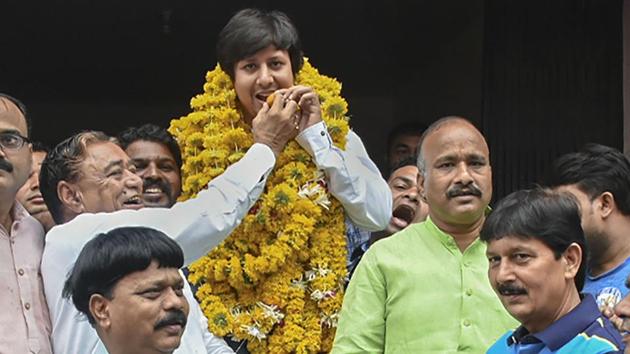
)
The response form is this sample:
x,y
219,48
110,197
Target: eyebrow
x,y
11,131
404,179
113,164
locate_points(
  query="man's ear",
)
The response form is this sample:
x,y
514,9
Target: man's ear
x,y
70,197
99,309
573,258
606,204
420,185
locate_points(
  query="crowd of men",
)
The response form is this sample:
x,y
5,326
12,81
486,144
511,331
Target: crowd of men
x,y
93,238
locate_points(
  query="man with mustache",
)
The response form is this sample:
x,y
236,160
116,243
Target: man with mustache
x,y
158,161
24,320
425,289
89,186
537,263
127,283
29,195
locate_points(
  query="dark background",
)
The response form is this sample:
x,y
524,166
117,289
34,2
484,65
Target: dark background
x,y
540,78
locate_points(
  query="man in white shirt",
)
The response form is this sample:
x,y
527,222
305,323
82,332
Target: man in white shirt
x,y
88,184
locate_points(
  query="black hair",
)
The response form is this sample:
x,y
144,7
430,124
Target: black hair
x,y
251,30
62,163
407,161
542,214
405,128
595,169
154,133
22,108
38,146
111,256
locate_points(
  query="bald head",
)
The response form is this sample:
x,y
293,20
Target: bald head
x,y
439,125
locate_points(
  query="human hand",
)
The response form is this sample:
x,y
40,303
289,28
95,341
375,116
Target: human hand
x,y
310,111
275,125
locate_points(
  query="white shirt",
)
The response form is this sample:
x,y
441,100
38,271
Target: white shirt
x,y
201,223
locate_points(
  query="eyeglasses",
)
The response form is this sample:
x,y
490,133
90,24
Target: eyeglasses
x,y
12,141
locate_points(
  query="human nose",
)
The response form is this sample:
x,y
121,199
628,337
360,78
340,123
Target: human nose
x,y
265,78
412,194
174,300
151,171
463,174
133,181
504,273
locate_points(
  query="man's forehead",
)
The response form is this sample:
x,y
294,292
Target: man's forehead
x,y
406,172
149,150
11,117
104,153
456,137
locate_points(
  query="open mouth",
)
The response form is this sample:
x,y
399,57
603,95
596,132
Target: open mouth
x,y
135,202
262,96
403,215
153,190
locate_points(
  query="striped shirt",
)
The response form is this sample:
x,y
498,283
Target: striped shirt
x,y
582,330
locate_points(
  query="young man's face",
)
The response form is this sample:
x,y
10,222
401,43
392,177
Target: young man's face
x,y
107,180
159,172
147,312
531,283
257,77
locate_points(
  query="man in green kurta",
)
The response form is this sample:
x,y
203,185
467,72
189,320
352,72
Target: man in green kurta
x,y
425,289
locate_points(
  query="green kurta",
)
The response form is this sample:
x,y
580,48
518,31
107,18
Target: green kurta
x,y
415,292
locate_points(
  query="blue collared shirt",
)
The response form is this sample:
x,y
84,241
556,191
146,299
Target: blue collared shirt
x,y
582,330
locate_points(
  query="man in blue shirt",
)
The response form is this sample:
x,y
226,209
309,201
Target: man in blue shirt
x,y
537,262
598,176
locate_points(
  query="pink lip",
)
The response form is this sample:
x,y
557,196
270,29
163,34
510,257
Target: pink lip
x,y
174,329
36,199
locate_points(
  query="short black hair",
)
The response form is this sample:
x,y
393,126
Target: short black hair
x,y
251,30
405,128
542,214
154,133
63,163
38,146
111,256
22,108
594,169
407,161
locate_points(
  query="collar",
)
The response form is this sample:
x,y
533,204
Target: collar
x,y
563,330
446,239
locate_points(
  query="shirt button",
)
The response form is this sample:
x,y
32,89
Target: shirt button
x,y
27,306
468,292
21,271
322,133
466,323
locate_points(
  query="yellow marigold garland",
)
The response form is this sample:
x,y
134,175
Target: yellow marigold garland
x,y
277,280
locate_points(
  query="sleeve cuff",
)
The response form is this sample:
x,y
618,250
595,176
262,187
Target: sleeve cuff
x,y
315,139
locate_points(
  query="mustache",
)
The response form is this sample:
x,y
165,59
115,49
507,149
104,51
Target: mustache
x,y
172,318
6,165
460,189
510,289
160,183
